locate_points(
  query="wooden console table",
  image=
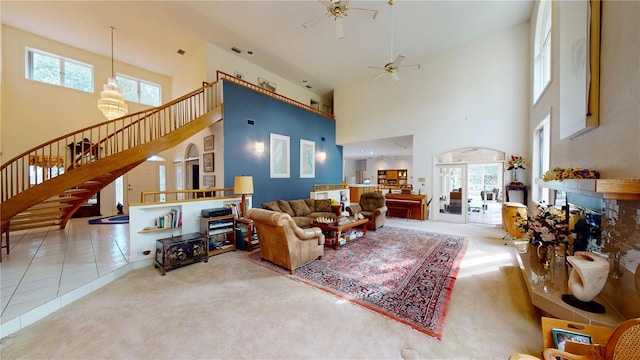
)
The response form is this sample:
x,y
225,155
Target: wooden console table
x,y
514,187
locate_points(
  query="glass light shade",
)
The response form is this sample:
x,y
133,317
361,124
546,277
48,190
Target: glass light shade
x,y
259,146
243,185
111,101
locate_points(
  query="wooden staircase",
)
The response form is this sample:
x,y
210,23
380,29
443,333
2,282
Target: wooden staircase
x,y
99,154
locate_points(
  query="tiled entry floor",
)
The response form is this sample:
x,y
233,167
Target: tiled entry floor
x,y
51,266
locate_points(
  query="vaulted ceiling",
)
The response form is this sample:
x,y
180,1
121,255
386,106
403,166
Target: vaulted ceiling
x,y
149,33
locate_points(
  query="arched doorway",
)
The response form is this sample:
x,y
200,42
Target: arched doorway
x,y
467,184
192,167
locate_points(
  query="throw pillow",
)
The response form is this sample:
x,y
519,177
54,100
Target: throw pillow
x,y
285,207
323,205
311,203
271,205
300,207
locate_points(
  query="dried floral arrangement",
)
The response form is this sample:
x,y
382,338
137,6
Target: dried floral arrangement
x,y
559,173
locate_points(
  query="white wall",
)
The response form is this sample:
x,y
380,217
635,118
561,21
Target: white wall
x,y
472,95
225,61
613,147
34,112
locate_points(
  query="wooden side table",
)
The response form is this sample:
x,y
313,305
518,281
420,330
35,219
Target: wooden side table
x,y
250,232
514,187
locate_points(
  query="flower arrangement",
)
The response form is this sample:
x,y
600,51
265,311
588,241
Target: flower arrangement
x,y
559,173
546,225
516,162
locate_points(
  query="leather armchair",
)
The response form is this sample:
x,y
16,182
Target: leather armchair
x,y
283,243
372,206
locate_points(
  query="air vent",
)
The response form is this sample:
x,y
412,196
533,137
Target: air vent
x,y
236,50
181,52
251,122
308,86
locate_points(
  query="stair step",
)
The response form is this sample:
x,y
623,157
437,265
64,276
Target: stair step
x,y
61,199
35,219
38,212
34,225
49,205
75,190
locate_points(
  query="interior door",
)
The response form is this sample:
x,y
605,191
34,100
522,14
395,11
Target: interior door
x,y
450,182
142,178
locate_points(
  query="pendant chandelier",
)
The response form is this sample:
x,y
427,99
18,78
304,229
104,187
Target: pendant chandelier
x,y
111,101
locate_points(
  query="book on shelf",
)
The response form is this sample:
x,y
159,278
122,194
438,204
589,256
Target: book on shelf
x,y
172,219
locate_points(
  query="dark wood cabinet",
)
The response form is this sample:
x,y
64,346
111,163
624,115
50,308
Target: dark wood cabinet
x,y
180,250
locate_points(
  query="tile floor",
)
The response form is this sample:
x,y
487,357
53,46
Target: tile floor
x,y
49,268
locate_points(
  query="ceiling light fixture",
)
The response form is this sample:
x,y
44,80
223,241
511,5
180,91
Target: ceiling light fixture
x,y
111,101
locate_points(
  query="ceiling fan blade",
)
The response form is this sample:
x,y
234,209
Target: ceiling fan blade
x,y
313,21
339,28
378,76
363,13
398,60
395,76
377,68
410,67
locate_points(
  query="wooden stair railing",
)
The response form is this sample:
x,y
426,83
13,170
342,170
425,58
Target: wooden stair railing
x,y
98,155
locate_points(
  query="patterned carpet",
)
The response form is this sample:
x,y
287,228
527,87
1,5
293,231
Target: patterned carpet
x,y
407,275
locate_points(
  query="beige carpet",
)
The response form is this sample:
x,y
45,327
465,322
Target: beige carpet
x,y
230,308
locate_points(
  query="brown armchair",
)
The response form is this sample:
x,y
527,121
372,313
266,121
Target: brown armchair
x,y
284,243
372,206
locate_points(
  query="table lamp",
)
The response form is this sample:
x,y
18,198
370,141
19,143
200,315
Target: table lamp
x,y
243,185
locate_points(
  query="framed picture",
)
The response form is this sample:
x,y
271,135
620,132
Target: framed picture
x,y
560,337
307,159
208,143
208,162
209,181
266,84
279,156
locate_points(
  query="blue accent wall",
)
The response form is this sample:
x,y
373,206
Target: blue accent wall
x,y
273,116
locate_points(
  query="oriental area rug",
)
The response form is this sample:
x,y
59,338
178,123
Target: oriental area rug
x,y
406,275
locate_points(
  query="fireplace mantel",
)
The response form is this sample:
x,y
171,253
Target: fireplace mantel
x,y
609,189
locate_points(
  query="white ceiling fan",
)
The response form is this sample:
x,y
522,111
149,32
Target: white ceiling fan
x,y
394,66
339,10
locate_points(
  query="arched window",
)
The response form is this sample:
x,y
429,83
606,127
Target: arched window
x,y
542,49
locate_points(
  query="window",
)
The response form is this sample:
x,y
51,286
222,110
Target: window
x,y
542,50
139,91
57,70
540,161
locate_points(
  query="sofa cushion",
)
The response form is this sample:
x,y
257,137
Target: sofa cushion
x,y
271,205
311,203
323,205
286,208
300,208
302,221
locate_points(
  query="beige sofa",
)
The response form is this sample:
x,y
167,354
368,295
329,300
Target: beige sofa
x,y
283,243
303,211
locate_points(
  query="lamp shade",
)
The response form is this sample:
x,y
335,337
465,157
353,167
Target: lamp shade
x,y
243,185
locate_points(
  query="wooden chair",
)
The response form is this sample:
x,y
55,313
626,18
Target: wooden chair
x,y
623,344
